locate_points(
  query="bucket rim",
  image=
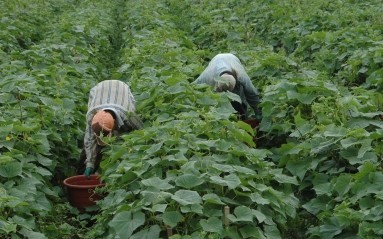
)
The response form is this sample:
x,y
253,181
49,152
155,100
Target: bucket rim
x,y
71,185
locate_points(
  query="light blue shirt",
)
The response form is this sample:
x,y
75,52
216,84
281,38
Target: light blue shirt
x,y
227,62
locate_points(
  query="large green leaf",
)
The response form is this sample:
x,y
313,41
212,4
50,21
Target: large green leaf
x,y
272,232
10,169
7,227
187,197
231,181
212,198
298,167
188,181
259,199
343,184
259,215
317,204
124,223
32,235
329,230
157,183
213,224
172,218
351,154
366,146
152,232
154,148
241,214
282,178
250,231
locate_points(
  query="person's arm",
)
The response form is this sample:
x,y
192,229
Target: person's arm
x,y
133,121
198,80
91,150
251,94
206,77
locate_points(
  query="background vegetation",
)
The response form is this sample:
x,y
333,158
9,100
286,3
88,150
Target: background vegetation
x,y
315,170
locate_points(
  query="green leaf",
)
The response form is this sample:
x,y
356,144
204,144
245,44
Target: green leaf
x,y
250,231
281,178
212,198
159,207
154,148
32,235
24,223
316,205
272,232
222,112
176,89
114,198
349,142
194,208
188,181
11,169
257,198
5,130
213,224
343,184
244,170
366,146
124,223
329,230
42,203
365,170
323,188
157,183
243,136
187,197
42,171
7,226
5,159
164,117
335,131
242,214
322,145
298,167
232,96
231,181
154,196
150,233
259,215
172,218
206,100
351,154
44,160
304,98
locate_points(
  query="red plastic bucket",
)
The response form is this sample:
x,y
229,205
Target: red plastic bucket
x,y
81,190
252,122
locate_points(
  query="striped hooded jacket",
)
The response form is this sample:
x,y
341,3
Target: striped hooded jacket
x,y
114,96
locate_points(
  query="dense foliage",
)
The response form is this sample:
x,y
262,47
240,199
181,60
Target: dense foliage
x,y
193,171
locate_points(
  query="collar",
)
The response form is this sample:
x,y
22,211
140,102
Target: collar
x,y
229,73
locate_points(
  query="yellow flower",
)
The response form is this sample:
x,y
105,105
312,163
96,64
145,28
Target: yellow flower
x,y
8,138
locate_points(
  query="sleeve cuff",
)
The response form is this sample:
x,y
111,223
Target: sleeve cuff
x,y
89,165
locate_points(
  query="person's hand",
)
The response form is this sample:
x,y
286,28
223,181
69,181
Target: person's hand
x,y
257,115
88,172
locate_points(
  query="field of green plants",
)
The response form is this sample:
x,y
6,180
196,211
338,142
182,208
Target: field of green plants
x,y
193,171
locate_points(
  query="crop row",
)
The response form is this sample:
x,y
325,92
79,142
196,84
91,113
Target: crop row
x,y
314,172
50,58
175,177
